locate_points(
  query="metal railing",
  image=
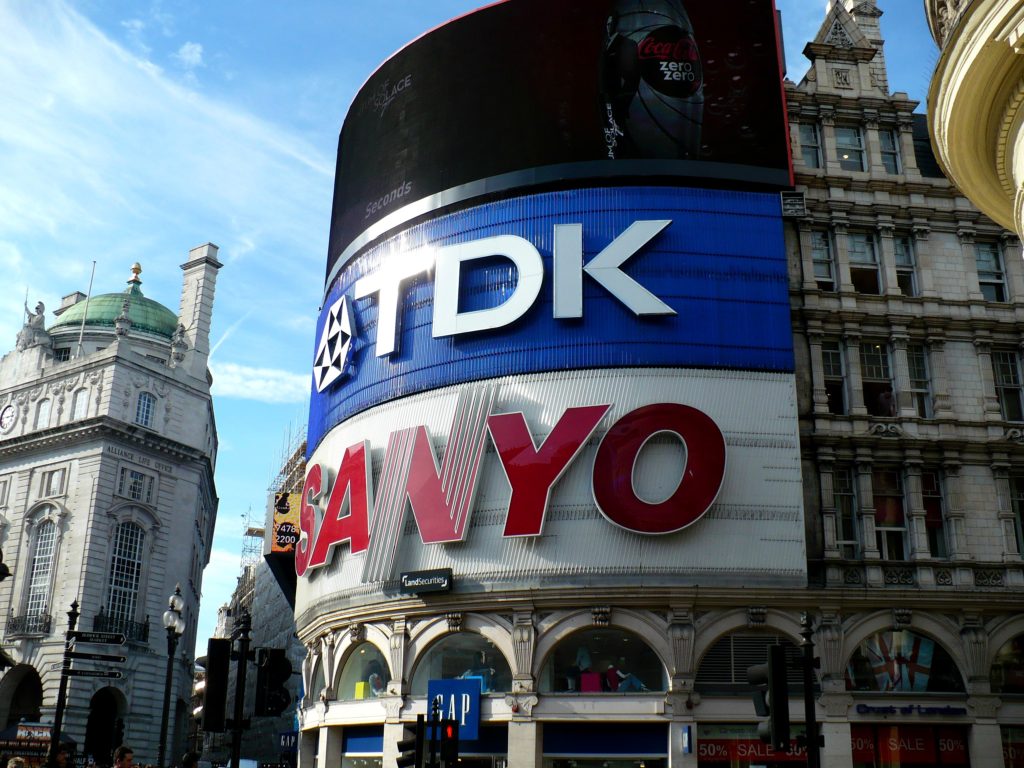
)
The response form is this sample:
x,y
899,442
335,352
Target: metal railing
x,y
30,624
134,631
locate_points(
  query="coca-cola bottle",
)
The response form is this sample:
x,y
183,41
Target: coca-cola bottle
x,y
653,84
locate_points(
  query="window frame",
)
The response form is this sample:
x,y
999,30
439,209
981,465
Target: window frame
x,y
42,417
52,482
906,268
891,158
865,273
80,404
1010,391
145,408
854,149
847,522
933,498
887,535
991,272
814,145
919,380
39,585
876,354
823,237
143,481
126,594
832,353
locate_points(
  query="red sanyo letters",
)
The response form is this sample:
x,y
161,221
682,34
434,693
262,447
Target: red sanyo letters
x,y
531,471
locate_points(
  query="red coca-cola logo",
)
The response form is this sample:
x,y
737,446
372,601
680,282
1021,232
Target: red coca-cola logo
x,y
670,62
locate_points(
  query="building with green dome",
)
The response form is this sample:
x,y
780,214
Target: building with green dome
x,y
108,444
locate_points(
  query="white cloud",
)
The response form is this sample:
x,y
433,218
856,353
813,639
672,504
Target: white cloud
x,y
190,55
266,385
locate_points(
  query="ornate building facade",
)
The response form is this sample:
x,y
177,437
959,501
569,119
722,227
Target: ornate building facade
x,y
893,465
107,451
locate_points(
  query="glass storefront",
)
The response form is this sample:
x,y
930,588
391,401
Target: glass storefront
x,y
1013,746
736,745
899,746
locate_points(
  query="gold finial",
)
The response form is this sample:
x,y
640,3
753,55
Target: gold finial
x,y
136,270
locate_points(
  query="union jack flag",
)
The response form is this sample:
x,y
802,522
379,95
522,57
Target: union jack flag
x,y
900,661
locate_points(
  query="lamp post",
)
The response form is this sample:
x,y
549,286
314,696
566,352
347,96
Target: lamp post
x,y
175,626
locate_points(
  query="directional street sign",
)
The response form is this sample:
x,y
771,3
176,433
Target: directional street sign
x,y
101,638
96,656
93,673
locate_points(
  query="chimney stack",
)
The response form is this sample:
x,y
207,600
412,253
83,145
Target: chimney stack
x,y
196,309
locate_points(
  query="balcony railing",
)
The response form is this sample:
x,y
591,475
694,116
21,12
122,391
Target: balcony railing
x,y
134,631
29,624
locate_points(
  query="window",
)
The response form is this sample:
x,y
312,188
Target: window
x,y
137,486
5,484
876,379
365,675
889,139
850,148
906,266
80,405
845,500
605,660
864,263
38,599
821,256
1006,370
902,660
462,655
934,512
835,388
42,414
920,391
723,669
810,144
62,355
890,518
53,482
991,279
144,409
1017,500
125,572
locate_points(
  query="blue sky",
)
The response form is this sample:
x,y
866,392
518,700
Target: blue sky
x,y
134,131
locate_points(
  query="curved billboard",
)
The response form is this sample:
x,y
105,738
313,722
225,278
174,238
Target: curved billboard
x,y
528,92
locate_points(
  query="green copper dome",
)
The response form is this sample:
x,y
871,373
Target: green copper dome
x,y
147,316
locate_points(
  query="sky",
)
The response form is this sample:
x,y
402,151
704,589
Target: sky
x,y
134,131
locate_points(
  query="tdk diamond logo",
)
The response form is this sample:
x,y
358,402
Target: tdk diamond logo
x,y
334,354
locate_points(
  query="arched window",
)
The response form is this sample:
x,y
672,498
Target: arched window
x,y
80,405
144,409
42,414
365,674
602,661
125,572
723,669
1007,674
901,660
38,599
463,655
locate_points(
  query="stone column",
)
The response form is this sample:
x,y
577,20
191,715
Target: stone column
x,y
908,157
523,635
525,744
838,749
855,385
866,507
328,749
676,757
887,258
840,231
828,141
942,404
901,372
873,147
984,742
956,533
829,522
965,231
307,748
916,529
1007,524
1010,247
990,401
808,281
819,395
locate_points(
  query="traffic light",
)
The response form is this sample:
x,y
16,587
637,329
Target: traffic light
x,y
4,570
771,698
215,693
273,670
450,743
410,749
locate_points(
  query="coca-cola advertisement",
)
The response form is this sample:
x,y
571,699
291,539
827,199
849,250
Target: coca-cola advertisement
x,y
530,94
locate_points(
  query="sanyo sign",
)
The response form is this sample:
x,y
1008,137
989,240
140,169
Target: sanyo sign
x,y
386,286
441,496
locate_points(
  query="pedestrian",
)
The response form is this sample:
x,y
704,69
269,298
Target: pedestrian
x,y
190,760
123,756
16,762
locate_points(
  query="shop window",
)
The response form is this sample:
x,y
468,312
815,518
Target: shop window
x,y
863,254
906,265
1007,673
737,745
144,409
991,278
890,514
822,258
463,655
920,388
810,144
876,378
902,660
1013,745
845,499
365,674
934,512
1006,371
603,660
724,667
892,745
889,139
850,147
834,372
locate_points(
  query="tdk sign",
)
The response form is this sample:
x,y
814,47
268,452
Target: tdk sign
x,y
626,277
386,286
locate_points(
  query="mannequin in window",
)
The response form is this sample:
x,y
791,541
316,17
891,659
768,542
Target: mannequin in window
x,y
622,682
482,669
374,678
582,665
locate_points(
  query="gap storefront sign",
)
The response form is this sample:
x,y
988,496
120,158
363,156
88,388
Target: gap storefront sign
x,y
576,382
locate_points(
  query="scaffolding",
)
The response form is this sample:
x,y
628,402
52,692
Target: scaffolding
x,y
292,474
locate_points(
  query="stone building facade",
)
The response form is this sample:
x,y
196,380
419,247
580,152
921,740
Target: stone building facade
x,y
906,305
107,499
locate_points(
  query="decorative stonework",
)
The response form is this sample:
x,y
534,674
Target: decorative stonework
x,y
601,615
902,618
454,621
756,616
522,705
838,36
841,78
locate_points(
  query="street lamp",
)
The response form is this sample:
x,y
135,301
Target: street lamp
x,y
175,626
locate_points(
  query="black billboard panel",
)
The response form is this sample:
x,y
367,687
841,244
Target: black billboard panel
x,y
533,92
